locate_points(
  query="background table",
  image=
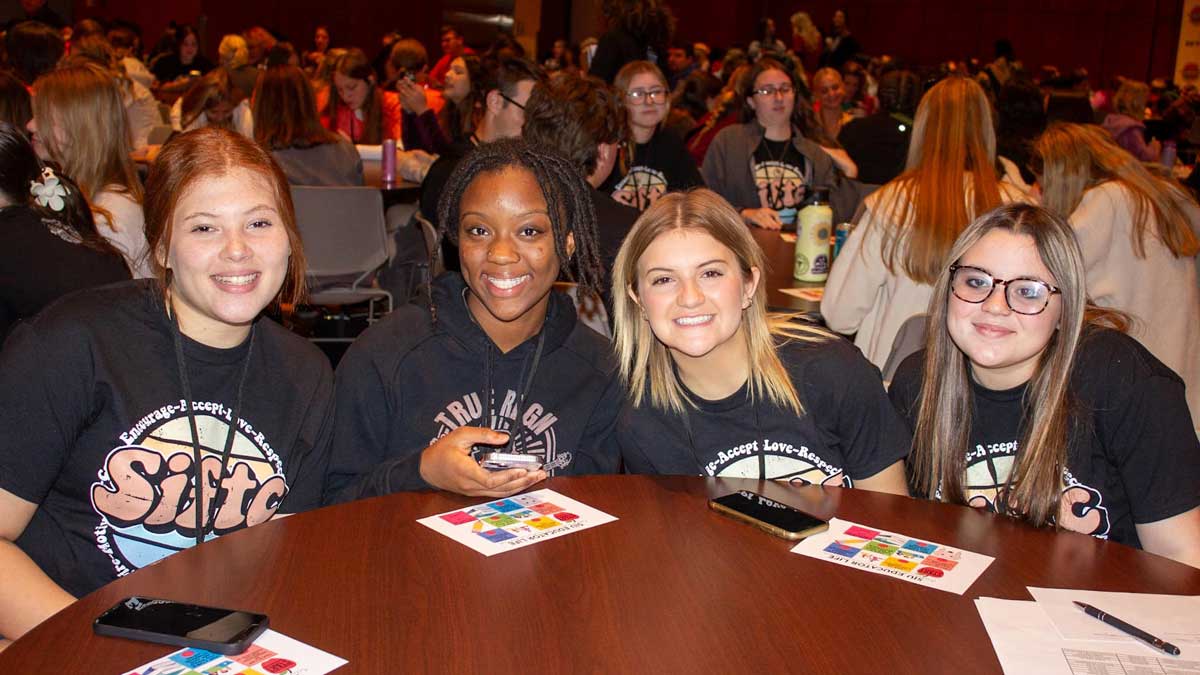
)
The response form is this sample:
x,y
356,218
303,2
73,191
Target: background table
x,y
670,587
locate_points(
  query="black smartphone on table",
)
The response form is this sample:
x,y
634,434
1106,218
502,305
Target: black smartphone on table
x,y
769,515
223,631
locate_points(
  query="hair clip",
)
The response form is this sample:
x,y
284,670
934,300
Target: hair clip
x,y
48,191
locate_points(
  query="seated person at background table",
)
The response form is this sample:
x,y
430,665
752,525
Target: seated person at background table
x,y
765,165
878,143
464,94
1140,236
141,108
286,123
408,67
499,360
1026,402
884,273
213,101
174,71
717,387
51,246
97,482
234,58
654,161
357,108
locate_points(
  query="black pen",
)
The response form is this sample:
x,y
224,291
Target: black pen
x,y
1136,632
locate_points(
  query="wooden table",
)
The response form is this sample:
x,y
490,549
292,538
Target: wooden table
x,y
781,256
670,587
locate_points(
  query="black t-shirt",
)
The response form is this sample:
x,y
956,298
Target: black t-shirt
x,y
849,430
657,167
99,440
169,68
878,144
782,175
42,260
1133,455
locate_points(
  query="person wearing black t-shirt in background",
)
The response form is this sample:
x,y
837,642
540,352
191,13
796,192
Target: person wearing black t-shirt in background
x,y
654,161
120,392
51,244
1026,403
765,166
715,386
878,143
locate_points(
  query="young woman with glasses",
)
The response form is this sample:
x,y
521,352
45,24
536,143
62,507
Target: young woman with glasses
x,y
765,166
654,161
1026,402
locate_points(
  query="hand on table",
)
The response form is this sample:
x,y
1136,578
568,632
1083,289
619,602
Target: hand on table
x,y
412,96
768,219
412,165
447,465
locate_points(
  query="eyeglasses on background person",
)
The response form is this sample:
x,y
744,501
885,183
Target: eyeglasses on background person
x,y
647,96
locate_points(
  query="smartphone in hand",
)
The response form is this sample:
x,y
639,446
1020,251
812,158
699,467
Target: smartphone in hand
x,y
769,515
224,631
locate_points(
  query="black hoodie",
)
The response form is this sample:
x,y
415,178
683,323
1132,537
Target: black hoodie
x,y
413,378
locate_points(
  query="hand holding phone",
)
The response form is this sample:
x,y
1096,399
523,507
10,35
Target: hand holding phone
x,y
769,515
447,464
224,631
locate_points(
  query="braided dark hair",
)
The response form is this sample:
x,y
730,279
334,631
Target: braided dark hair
x,y
568,201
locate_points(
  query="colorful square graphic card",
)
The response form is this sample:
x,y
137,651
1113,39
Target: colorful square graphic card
x,y
272,653
896,555
503,525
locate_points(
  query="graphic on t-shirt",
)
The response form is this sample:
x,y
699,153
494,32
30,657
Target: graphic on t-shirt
x,y
780,461
641,187
988,467
144,493
781,187
536,435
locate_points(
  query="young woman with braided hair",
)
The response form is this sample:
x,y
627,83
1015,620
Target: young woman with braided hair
x,y
498,361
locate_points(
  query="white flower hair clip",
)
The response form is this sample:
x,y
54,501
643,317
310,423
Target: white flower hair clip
x,y
48,191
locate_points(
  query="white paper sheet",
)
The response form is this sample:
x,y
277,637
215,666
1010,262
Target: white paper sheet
x,y
272,652
1174,618
506,524
1026,643
916,561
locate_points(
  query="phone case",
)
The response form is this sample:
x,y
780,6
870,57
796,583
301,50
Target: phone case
x,y
225,648
498,461
767,527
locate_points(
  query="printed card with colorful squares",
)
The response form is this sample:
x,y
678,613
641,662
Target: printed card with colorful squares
x,y
271,654
521,520
896,555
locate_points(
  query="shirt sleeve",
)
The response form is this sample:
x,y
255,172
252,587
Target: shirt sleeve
x,y
598,450
715,170
308,462
857,276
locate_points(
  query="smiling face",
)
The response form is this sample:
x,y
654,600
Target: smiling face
x,y
693,292
458,81
228,256
1004,347
830,92
773,110
351,90
506,249
644,114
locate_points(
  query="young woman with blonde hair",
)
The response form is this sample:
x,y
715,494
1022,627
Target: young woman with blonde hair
x,y
1126,122
888,263
75,111
213,100
1140,236
807,43
717,387
1026,402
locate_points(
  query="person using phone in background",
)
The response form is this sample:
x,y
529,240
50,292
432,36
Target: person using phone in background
x,y
120,392
499,360
1027,402
717,387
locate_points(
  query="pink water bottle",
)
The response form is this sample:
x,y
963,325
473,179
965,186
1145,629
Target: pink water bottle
x,y
389,162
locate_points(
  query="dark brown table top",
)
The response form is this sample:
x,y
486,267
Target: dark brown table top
x,y
780,259
670,587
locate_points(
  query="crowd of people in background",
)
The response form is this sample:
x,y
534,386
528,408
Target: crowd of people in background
x,y
985,201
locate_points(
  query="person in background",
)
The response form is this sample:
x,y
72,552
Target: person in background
x,y
1021,118
141,107
282,53
175,70
638,30
681,62
420,104
707,371
840,45
96,383
452,48
212,100
1140,236
726,111
322,79
829,99
702,53
315,56
1027,403
75,110
124,42
1004,68
235,61
697,97
858,101
1126,123
32,49
498,337
464,101
51,246
259,42
807,43
653,161
879,143
287,124
767,43
357,108
887,266
16,106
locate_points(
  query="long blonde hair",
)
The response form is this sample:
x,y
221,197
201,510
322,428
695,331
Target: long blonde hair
x,y
82,122
1075,158
803,25
952,134
944,412
645,364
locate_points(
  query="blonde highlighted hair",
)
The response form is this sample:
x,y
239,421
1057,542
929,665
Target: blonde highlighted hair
x,y
645,364
1075,158
953,134
1130,99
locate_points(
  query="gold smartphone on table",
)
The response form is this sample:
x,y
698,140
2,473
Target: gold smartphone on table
x,y
768,515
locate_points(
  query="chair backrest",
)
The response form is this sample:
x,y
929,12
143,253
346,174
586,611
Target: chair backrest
x,y
910,339
342,228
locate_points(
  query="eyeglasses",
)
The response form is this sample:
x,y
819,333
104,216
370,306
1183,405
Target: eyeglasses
x,y
1023,295
784,90
510,100
647,96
